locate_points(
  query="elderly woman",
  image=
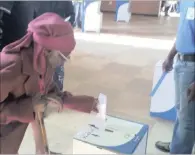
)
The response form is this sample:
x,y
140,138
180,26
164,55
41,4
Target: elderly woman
x,y
15,16
26,71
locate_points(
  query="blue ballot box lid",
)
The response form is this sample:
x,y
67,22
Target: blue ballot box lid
x,y
118,135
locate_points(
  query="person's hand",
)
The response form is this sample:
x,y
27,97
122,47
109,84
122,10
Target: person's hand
x,y
83,99
40,103
191,92
95,105
81,103
167,65
67,94
55,100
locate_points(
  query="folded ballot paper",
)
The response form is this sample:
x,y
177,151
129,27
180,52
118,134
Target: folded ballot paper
x,y
101,115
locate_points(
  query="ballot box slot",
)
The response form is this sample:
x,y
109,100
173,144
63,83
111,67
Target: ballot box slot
x,y
95,135
93,125
108,130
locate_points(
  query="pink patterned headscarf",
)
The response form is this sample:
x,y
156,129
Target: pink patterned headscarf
x,y
48,32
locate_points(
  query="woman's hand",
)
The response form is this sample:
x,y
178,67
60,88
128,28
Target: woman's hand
x,y
52,100
66,100
55,100
67,94
39,103
81,103
95,105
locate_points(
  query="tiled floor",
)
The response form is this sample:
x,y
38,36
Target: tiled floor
x,y
122,68
143,26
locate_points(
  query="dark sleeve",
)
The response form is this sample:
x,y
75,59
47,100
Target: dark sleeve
x,y
16,24
64,9
1,29
6,5
70,12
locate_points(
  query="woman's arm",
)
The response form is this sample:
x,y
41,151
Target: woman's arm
x,y
12,108
19,109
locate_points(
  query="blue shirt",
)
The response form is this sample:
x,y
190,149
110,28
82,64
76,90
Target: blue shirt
x,y
185,40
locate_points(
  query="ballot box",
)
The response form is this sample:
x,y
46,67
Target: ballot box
x,y
163,102
92,17
122,11
118,137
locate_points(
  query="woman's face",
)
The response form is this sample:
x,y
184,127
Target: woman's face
x,y
55,58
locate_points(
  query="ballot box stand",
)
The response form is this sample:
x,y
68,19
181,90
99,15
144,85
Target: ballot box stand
x,y
163,101
91,16
122,11
118,137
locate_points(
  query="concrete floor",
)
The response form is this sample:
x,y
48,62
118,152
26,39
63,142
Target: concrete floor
x,y
120,66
